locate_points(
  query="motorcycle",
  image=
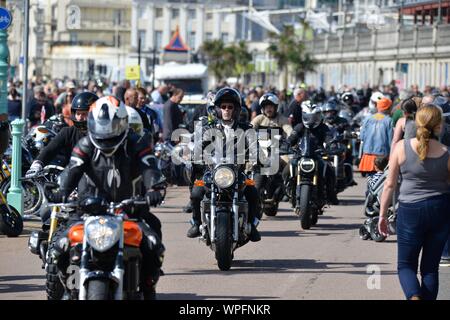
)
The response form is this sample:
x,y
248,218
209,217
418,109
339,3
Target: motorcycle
x,y
336,153
224,210
306,184
103,248
273,188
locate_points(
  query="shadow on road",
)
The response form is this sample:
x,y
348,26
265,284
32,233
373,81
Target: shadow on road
x,y
275,266
293,233
19,287
193,296
352,202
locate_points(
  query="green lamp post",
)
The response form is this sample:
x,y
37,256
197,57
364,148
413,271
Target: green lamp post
x,y
15,197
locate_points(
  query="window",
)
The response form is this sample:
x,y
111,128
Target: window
x,y
158,39
73,37
141,13
158,12
191,40
209,16
192,14
208,36
142,38
175,13
224,37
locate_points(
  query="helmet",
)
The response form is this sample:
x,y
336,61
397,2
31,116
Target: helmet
x,y
228,94
311,114
135,121
347,98
330,106
269,98
347,115
108,124
82,102
374,98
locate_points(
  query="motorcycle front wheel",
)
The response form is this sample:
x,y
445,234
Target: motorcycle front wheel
x,y
32,196
99,289
304,207
224,254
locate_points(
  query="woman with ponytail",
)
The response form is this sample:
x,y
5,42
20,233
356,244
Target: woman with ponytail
x,y
405,128
423,220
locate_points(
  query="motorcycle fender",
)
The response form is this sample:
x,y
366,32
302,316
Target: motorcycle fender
x,y
100,275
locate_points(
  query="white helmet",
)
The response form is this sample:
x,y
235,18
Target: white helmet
x,y
108,124
135,121
311,114
374,98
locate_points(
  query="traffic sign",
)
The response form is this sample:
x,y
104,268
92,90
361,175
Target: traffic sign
x,y
5,18
133,72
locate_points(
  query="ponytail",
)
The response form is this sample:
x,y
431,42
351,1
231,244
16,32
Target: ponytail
x,y
428,119
423,136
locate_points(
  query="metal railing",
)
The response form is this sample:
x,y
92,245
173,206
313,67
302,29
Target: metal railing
x,y
387,38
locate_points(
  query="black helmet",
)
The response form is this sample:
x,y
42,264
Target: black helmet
x,y
348,98
330,106
82,102
231,95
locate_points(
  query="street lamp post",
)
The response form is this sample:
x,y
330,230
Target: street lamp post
x,y
4,64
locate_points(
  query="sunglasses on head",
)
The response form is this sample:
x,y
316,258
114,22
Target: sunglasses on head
x,y
228,107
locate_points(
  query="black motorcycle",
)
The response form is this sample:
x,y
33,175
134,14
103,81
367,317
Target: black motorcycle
x,y
272,189
224,210
336,153
307,185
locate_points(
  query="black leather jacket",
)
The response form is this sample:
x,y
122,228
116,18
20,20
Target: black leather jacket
x,y
114,178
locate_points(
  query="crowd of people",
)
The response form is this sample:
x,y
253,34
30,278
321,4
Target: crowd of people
x,y
408,128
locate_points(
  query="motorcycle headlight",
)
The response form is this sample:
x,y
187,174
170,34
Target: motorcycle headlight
x,y
307,165
102,233
224,177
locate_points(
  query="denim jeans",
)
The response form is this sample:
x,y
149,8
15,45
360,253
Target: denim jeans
x,y
446,252
422,226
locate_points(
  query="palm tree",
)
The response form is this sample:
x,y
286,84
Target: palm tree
x,y
214,51
225,61
288,50
242,59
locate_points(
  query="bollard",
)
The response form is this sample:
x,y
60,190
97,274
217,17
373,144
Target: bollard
x,y
15,196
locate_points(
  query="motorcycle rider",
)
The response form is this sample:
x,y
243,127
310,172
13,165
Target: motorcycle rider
x,y
320,131
118,163
338,125
271,118
227,105
68,137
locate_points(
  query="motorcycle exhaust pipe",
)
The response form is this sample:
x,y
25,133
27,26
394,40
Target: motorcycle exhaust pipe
x,y
235,216
213,216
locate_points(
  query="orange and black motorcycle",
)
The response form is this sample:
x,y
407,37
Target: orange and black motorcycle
x,y
106,248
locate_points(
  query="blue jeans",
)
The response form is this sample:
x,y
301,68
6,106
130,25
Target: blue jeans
x,y
422,226
446,252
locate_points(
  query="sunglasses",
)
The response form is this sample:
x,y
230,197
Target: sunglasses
x,y
227,107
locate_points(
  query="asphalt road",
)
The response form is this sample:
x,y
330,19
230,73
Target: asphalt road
x,y
329,261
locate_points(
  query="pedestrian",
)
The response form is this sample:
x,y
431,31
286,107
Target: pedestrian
x,y
152,115
376,136
14,105
173,116
405,127
131,100
39,107
159,94
423,219
295,107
